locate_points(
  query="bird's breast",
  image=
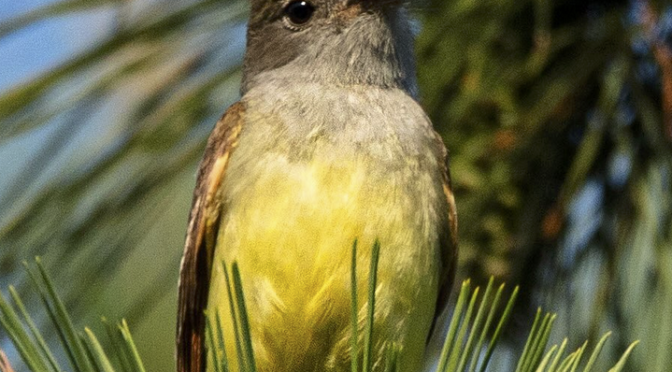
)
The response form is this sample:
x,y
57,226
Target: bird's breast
x,y
295,199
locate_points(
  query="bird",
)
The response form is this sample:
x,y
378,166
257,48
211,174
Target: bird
x,y
327,145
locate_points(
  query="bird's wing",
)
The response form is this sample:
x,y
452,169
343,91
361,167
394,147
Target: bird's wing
x,y
449,243
201,239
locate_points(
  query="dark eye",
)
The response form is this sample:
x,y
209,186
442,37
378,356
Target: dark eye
x,y
299,12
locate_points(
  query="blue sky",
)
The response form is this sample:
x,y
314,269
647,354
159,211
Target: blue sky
x,y
30,51
33,50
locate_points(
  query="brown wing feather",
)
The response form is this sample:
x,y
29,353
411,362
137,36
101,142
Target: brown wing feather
x,y
200,242
449,243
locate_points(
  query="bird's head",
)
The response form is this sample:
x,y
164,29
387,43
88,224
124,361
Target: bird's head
x,y
340,42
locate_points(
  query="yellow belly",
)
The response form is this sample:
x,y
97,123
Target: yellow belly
x,y
291,225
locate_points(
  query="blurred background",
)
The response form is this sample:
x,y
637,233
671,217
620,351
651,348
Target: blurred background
x,y
557,114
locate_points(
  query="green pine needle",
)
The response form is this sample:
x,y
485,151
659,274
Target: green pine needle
x,y
96,352
213,343
84,350
367,363
354,321
624,358
467,347
128,346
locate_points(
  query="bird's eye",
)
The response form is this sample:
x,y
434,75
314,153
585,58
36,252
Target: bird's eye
x,y
299,12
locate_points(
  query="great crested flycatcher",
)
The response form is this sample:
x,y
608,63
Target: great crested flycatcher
x,y
327,145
